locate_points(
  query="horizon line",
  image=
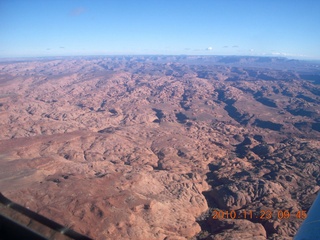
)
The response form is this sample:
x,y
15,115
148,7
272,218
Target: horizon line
x,y
149,55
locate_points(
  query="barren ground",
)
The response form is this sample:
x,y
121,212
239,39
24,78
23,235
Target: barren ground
x,y
151,147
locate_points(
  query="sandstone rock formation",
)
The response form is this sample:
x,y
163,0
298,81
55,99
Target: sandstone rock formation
x,y
149,147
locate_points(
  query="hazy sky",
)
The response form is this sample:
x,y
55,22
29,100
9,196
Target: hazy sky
x,y
93,27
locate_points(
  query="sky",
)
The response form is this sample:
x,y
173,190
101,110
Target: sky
x,y
36,28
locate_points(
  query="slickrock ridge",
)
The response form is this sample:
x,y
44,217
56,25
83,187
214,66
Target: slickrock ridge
x,y
148,147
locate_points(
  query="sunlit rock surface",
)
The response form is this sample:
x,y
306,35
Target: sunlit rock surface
x,y
148,147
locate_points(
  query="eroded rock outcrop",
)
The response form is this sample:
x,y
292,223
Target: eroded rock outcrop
x,y
148,147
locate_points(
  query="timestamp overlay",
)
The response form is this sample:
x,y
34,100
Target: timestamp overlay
x,y
258,214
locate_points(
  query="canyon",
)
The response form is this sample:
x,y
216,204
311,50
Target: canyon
x,y
148,147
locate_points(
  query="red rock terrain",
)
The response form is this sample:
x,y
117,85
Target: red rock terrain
x,y
151,147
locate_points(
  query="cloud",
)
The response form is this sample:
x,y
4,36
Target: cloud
x,y
251,50
285,54
235,46
48,49
225,46
187,49
281,54
77,11
61,47
209,48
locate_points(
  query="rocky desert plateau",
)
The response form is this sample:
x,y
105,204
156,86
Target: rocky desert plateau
x,y
162,147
